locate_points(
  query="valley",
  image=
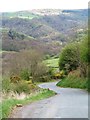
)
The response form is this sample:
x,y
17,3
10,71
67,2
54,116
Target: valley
x,y
42,46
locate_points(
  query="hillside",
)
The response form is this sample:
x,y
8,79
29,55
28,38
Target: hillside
x,y
20,14
14,41
52,25
46,29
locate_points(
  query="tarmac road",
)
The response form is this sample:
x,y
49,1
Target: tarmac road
x,y
68,103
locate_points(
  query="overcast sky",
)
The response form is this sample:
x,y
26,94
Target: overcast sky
x,y
17,5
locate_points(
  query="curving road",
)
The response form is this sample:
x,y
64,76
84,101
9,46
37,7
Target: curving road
x,y
68,103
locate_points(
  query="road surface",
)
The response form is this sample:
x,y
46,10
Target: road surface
x,y
68,103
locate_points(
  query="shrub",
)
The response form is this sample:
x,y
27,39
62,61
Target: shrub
x,y
22,87
75,73
29,82
44,79
59,75
6,86
41,73
74,82
51,72
47,57
68,60
15,79
84,51
84,57
25,75
32,86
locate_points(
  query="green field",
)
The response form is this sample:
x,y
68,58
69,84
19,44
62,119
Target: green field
x,y
21,14
52,62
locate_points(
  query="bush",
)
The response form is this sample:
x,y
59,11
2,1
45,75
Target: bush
x,y
51,72
6,86
25,75
15,79
29,82
44,79
84,57
41,73
22,87
74,82
59,75
68,60
47,57
32,86
84,51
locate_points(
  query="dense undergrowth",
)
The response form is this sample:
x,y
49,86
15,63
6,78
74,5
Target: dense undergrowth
x,y
74,61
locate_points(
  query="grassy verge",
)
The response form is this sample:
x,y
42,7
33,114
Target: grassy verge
x,y
8,104
74,82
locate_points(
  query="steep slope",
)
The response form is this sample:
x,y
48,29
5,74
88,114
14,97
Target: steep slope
x,y
57,25
16,43
35,28
48,32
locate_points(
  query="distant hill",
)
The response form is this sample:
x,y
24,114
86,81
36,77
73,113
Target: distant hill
x,y
36,13
48,28
20,14
35,28
17,44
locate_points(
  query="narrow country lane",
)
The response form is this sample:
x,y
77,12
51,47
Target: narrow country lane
x,y
68,103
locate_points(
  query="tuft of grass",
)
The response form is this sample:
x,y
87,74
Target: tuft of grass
x,y
7,105
21,86
73,82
